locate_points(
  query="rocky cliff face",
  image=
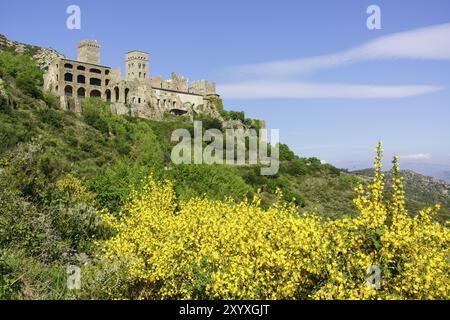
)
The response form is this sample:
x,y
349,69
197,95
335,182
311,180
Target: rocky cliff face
x,y
43,56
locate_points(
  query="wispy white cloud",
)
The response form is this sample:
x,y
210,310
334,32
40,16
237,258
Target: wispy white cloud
x,y
292,89
417,156
429,43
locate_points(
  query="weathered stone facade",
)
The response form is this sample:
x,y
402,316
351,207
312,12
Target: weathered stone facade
x,y
137,94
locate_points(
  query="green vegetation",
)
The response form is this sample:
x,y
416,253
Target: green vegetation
x,y
58,170
421,191
236,115
22,69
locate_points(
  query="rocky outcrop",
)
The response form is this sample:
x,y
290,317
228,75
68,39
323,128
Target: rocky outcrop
x,y
43,56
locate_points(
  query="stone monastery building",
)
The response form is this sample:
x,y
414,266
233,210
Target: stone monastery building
x,y
137,94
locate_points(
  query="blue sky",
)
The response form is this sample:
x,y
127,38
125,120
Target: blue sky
x,y
346,87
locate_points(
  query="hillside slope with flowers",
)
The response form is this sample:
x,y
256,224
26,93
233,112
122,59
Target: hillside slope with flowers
x,y
99,191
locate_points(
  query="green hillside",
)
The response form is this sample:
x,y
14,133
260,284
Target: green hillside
x,y
112,153
59,169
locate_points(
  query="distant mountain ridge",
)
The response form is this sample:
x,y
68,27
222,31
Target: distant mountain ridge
x,y
420,190
427,168
440,171
407,174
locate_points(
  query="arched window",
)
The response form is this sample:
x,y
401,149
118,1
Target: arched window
x,y
68,66
68,77
106,72
108,95
117,93
139,75
95,81
106,82
68,91
139,100
95,71
81,93
81,79
174,104
126,94
96,93
81,68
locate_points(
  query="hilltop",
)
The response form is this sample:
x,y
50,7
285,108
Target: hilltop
x,y
42,56
421,190
59,169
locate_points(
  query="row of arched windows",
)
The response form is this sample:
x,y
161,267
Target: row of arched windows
x,y
130,65
81,93
166,103
82,79
82,68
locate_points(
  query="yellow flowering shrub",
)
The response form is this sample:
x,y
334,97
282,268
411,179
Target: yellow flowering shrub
x,y
205,249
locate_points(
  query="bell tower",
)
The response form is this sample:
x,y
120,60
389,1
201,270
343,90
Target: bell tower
x,y
89,51
137,65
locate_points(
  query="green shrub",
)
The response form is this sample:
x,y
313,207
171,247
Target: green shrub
x,y
9,287
52,117
295,167
208,122
23,69
213,181
51,100
295,197
30,279
96,113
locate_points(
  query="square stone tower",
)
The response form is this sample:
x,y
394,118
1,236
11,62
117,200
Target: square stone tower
x,y
89,51
137,65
